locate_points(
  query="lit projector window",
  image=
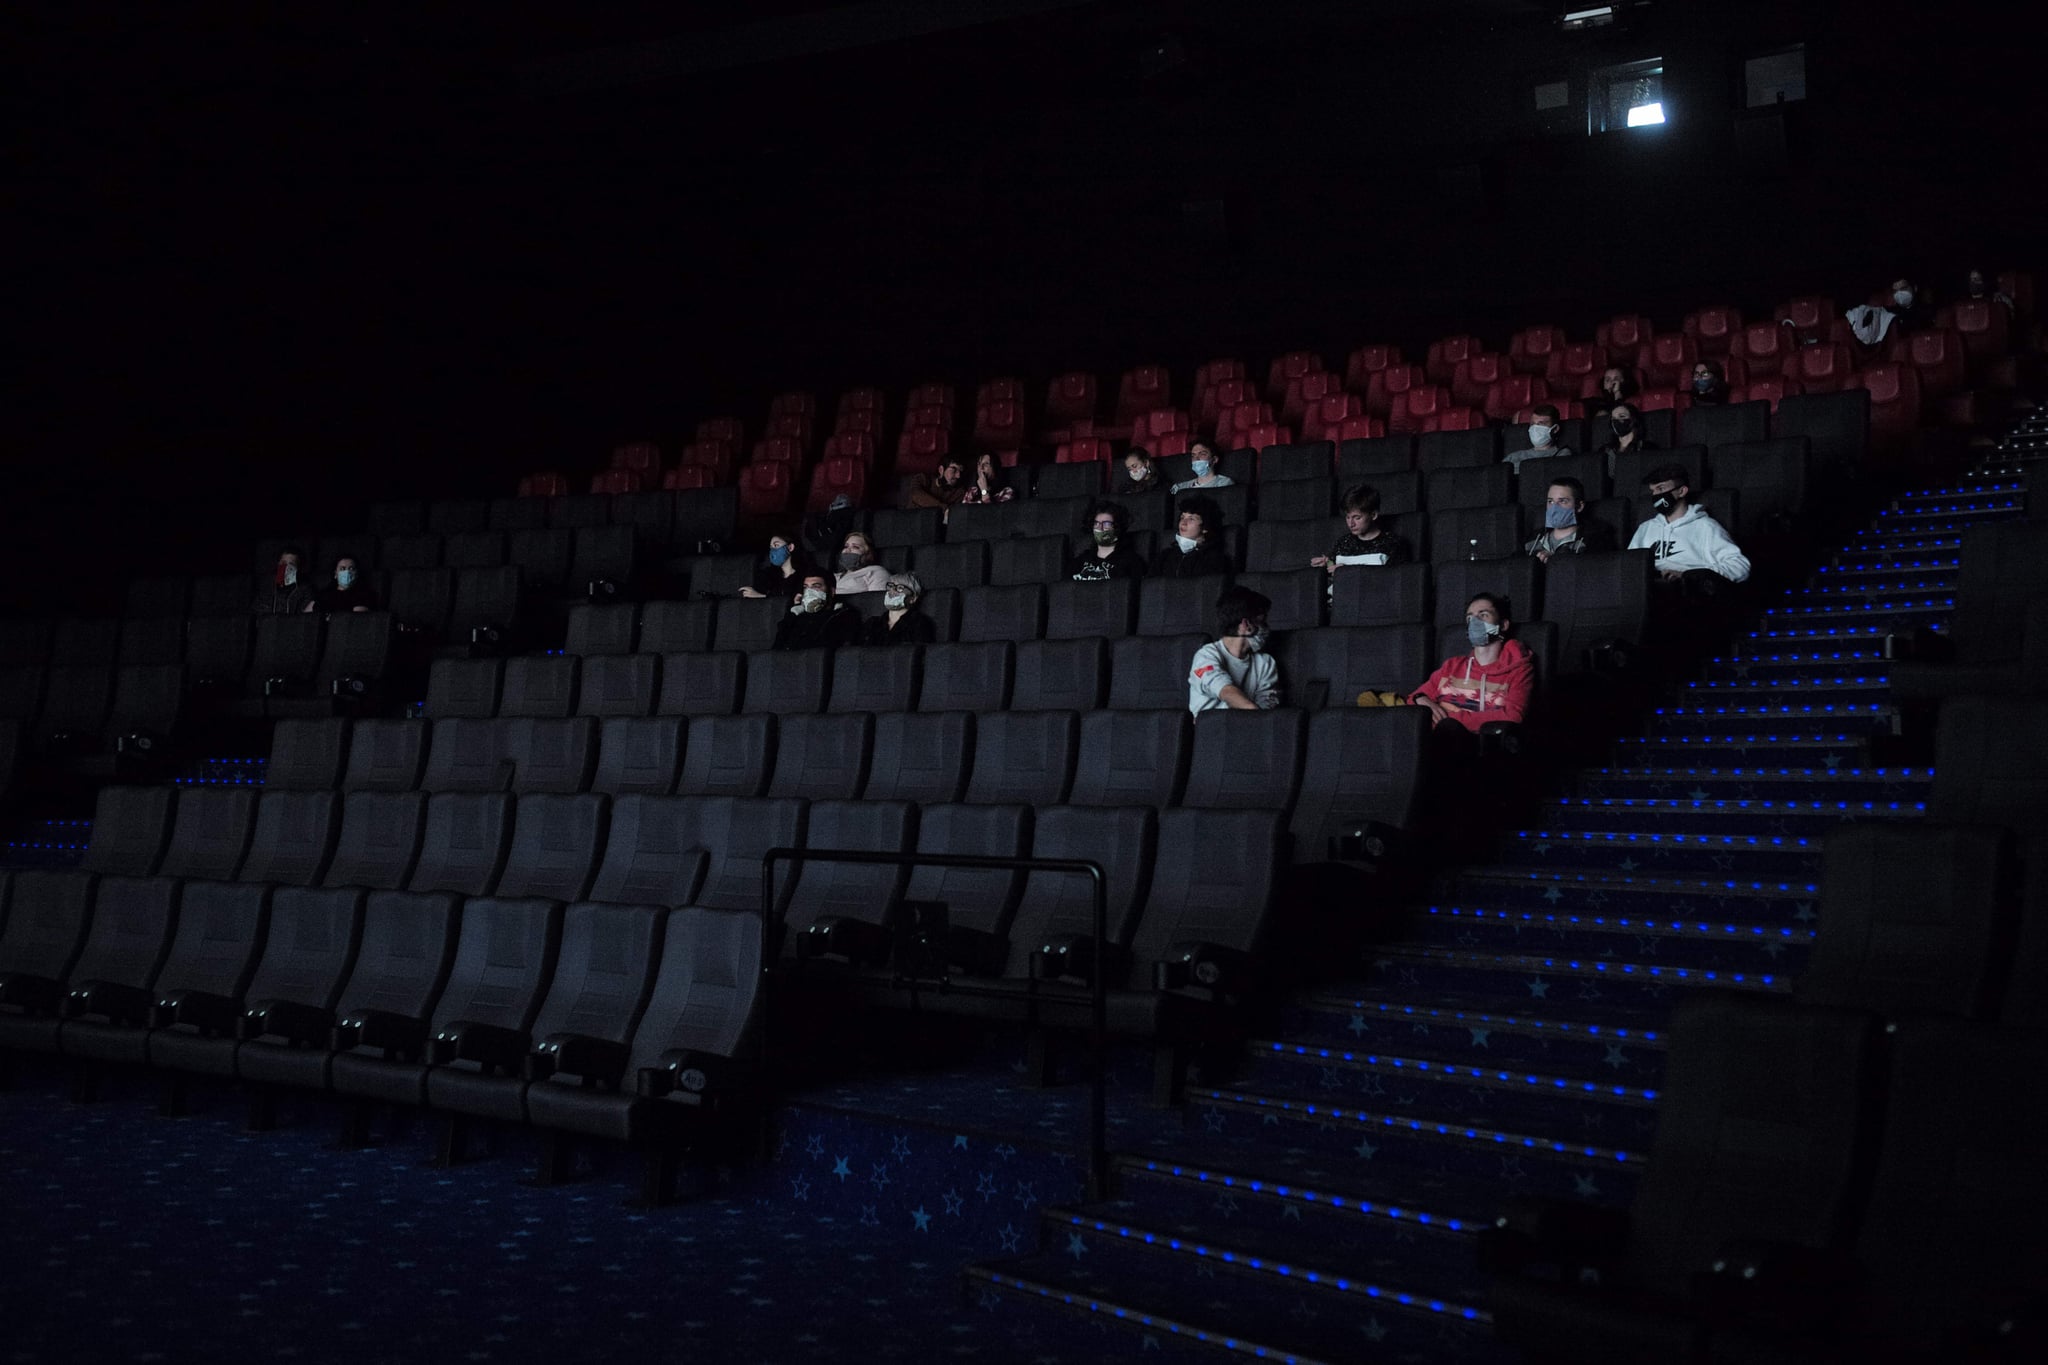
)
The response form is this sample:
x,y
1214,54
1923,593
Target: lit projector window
x,y
1645,114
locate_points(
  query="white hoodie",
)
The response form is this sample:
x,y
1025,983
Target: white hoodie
x,y
1694,541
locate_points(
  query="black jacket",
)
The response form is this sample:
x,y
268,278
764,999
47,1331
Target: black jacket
x,y
837,624
1204,560
914,629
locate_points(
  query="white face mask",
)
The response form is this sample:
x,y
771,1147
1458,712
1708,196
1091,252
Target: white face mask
x,y
291,575
895,601
1201,468
813,599
1539,437
1187,545
1903,297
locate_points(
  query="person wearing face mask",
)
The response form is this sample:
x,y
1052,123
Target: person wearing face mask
x,y
944,488
1202,458
1491,683
1709,384
349,592
1617,385
1693,553
902,621
817,619
1365,542
776,573
286,592
1141,474
1234,671
1197,549
1977,285
858,571
987,485
1544,426
1564,502
1111,555
1625,434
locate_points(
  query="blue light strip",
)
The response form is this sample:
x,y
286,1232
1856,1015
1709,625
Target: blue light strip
x,y
1437,1221
1816,774
1457,1132
1732,842
1744,741
1658,928
1607,968
1626,880
1466,1018
1846,682
1483,1074
1738,807
1805,709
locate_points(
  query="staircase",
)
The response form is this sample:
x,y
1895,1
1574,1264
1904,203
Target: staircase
x,y
1322,1205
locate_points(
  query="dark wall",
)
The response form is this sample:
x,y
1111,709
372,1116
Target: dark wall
x,y
278,271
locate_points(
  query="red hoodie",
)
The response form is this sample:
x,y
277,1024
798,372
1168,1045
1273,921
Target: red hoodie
x,y
1475,693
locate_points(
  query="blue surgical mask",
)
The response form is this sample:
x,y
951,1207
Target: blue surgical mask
x,y
344,578
1557,518
1539,437
1703,383
1187,545
778,555
1480,632
1201,468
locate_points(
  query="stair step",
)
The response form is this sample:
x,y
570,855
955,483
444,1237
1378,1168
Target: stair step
x,y
1971,488
1679,895
1565,1035
1840,750
1933,572
1701,944
1803,719
1953,511
1778,856
1765,782
1794,663
1865,550
1824,611
1715,816
1810,689
1354,1214
1865,635
1418,971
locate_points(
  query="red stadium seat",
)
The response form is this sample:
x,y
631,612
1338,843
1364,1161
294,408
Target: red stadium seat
x,y
919,448
1231,426
644,456
1530,349
1387,386
1474,375
1452,419
1415,406
1002,389
794,426
1081,450
1365,362
1328,416
1808,316
1150,426
777,450
1663,400
999,425
1566,408
864,421
931,396
1305,390
1714,329
1666,361
1441,362
928,415
1623,334
834,477
691,476
543,486
765,489
850,445
1985,328
1142,390
1221,395
1511,393
1216,371
1765,388
1938,355
1765,347
1828,367
728,429
793,404
1895,405
1734,369
1172,443
1287,368
1068,399
719,456
1360,428
858,400
1572,364
2018,285
1267,434
619,481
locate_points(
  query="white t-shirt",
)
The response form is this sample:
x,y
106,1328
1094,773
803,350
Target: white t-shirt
x,y
1215,668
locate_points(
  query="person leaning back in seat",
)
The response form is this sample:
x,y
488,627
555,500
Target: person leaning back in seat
x,y
1492,682
1693,552
817,619
1234,671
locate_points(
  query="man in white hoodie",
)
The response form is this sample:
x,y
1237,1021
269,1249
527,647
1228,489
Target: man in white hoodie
x,y
1692,550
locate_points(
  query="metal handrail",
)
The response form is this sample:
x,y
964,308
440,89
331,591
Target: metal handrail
x,y
1097,1154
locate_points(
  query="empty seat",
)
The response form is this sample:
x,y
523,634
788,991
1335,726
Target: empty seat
x,y
464,688
979,901
75,702
1297,499
962,564
386,755
1298,596
1719,424
618,685
1134,758
1836,427
1391,594
153,640
286,655
1278,545
1475,533
727,755
131,826
380,839
1330,667
822,758
306,755
542,558
907,526
295,836
967,676
1060,675
1247,760
539,685
744,624
127,935
1460,580
421,599
557,755
920,757
454,516
1057,910
576,510
675,627
1365,457
652,853
473,550
1032,560
701,684
639,755
1594,599
1106,609
1462,449
467,755
209,833
1212,888
827,889
788,682
1480,486
1024,757
873,678
1364,768
1770,476
1179,606
1007,613
1151,672
736,833
554,849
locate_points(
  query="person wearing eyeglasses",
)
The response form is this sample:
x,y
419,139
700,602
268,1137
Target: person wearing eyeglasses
x,y
1110,555
902,621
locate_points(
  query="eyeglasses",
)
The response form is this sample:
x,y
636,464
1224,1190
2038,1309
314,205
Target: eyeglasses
x,y
897,587
1105,524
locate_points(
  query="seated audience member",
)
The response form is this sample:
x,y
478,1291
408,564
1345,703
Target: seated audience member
x,y
858,571
902,621
1977,285
1709,384
1364,542
987,485
285,593
824,532
1617,385
942,489
1493,682
1909,306
1563,533
1543,443
1141,473
1693,552
1234,671
1197,548
1202,456
1625,434
776,574
817,618
1109,557
349,592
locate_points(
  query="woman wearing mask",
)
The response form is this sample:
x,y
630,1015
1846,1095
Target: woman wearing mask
x,y
1978,285
1626,434
1140,474
902,621
1202,456
1109,557
775,575
1197,550
1709,384
988,485
816,618
858,571
1543,428
1617,385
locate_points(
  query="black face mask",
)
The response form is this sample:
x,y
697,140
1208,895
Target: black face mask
x,y
1624,425
1663,503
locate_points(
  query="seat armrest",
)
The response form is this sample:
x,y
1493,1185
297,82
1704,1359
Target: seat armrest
x,y
699,1077
493,1047
286,1019
400,1036
575,1054
30,994
109,1000
1076,957
1207,966
213,1015
842,936
978,952
1501,737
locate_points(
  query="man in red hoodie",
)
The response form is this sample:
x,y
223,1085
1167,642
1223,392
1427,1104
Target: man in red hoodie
x,y
1491,683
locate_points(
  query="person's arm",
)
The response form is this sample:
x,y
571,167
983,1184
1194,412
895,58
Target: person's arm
x,y
1425,695
1521,686
1233,697
1725,555
1644,538
921,496
1208,676
1266,682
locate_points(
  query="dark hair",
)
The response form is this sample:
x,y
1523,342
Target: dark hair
x,y
1116,510
1209,446
1676,473
1546,410
956,457
1713,367
1629,387
1206,509
1240,604
1498,601
1140,452
1578,490
1362,497
294,551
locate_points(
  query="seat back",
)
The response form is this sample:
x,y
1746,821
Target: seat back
x,y
131,827
209,833
295,836
822,758
1060,675
980,899
467,837
556,838
1247,760
1213,882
